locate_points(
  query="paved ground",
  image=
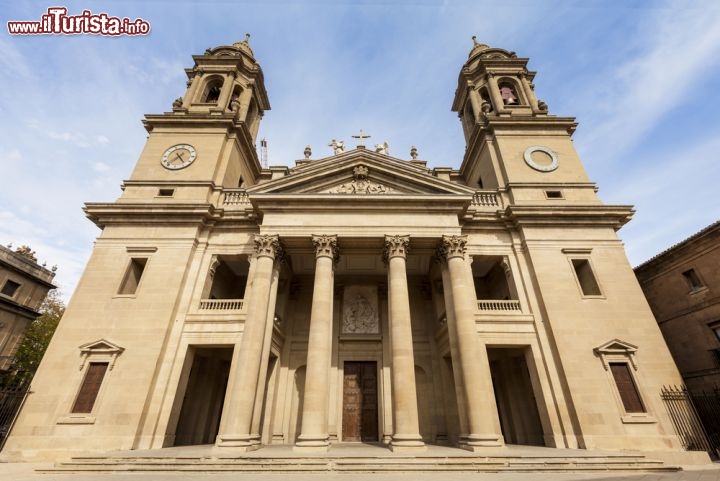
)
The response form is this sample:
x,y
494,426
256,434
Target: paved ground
x,y
24,472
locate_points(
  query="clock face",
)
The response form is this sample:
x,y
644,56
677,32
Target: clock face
x,y
178,156
541,166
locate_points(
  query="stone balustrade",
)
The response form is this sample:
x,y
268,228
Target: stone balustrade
x,y
221,304
485,199
235,197
498,305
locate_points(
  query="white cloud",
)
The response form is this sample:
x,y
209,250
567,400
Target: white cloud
x,y
12,62
672,202
100,167
76,138
673,51
13,156
101,139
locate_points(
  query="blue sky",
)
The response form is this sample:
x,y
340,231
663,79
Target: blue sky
x,y
641,77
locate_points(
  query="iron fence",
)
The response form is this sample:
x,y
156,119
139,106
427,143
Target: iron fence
x,y
696,417
12,397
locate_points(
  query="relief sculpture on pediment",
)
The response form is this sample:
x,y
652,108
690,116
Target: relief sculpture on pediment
x,y
360,184
360,187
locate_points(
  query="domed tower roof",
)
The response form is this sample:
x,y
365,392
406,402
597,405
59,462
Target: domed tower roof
x,y
477,47
244,45
237,49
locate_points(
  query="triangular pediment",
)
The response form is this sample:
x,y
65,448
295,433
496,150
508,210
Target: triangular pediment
x,y
101,346
616,346
360,172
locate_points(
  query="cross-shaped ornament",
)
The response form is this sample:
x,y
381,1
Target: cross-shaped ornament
x,y
361,137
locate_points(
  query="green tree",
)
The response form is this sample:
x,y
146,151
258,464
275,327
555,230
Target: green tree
x,y
37,337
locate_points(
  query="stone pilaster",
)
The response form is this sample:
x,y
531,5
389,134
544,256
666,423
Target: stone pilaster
x,y
314,432
406,436
483,424
240,404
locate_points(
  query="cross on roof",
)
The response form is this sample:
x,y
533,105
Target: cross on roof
x,y
361,137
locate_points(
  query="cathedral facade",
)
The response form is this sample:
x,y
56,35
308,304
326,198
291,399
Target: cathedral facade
x,y
358,297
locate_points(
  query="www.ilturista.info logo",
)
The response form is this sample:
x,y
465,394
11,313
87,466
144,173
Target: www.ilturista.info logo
x,y
57,21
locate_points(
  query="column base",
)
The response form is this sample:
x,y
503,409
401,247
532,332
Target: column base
x,y
312,443
239,442
403,443
480,442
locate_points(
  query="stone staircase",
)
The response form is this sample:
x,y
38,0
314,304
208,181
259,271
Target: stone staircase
x,y
577,462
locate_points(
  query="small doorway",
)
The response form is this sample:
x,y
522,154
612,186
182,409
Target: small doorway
x,y
202,404
515,398
360,402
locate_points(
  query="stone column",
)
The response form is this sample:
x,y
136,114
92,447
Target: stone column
x,y
245,97
475,102
226,91
483,424
406,436
265,357
529,93
494,91
453,342
240,405
313,431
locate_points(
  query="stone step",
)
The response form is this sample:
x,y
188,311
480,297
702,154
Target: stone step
x,y
362,464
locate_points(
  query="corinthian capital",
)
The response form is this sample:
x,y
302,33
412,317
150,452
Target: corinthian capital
x,y
268,246
454,246
326,246
396,246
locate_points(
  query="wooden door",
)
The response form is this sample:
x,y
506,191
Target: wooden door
x,y
360,412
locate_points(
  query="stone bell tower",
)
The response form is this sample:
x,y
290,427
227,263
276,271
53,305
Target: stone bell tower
x,y
512,141
208,139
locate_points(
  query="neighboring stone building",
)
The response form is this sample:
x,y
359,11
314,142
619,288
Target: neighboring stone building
x,y
23,287
682,285
355,297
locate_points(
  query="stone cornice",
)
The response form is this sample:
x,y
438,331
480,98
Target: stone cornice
x,y
26,267
103,214
9,305
614,216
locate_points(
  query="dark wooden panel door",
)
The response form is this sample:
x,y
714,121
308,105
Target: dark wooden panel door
x,y
360,412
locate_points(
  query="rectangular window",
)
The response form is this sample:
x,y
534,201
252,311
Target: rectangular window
x,y
166,192
626,387
553,194
90,387
10,288
585,277
692,279
132,276
716,329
